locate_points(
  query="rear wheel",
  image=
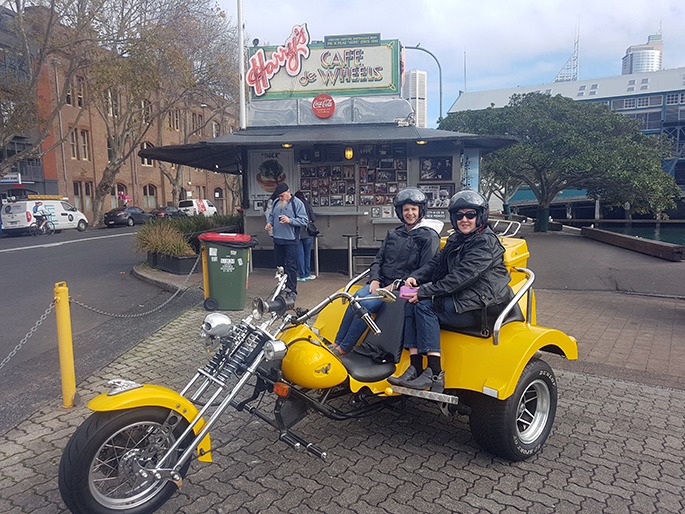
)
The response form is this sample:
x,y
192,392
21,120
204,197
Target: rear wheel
x,y
516,428
33,229
99,470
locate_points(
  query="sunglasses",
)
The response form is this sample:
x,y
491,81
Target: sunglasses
x,y
469,215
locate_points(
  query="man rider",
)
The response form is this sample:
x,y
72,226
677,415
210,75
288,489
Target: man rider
x,y
41,214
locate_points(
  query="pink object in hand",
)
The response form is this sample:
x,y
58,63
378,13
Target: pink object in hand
x,y
408,292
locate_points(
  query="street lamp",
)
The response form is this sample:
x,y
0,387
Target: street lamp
x,y
417,47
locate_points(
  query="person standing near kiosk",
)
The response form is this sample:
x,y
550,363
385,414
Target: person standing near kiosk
x,y
287,217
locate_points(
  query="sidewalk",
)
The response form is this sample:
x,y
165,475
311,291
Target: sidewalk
x,y
603,456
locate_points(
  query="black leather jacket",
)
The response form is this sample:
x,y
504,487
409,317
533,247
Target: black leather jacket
x,y
473,273
403,252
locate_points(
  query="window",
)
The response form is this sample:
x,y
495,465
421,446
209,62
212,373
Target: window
x,y
85,145
594,86
672,98
80,91
216,129
643,101
73,144
149,196
77,195
629,103
118,192
88,196
110,153
112,103
144,160
174,119
146,110
656,100
582,88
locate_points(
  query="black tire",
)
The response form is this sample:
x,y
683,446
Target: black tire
x,y
210,304
49,228
516,428
82,225
98,461
130,222
34,230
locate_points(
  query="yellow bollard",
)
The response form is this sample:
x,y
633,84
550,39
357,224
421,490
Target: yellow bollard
x,y
66,347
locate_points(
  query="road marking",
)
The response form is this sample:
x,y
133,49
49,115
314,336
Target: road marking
x,y
51,245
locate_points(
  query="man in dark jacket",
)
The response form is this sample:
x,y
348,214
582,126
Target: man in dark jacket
x,y
404,249
457,285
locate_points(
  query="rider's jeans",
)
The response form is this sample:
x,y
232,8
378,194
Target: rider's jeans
x,y
353,327
422,324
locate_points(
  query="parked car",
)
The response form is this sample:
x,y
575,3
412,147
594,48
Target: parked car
x,y
18,216
197,206
126,216
168,212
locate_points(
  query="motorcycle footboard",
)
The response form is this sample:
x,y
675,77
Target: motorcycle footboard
x,y
426,395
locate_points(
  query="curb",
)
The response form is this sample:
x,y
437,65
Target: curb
x,y
163,284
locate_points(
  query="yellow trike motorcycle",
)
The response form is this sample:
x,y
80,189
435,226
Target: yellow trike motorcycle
x,y
133,452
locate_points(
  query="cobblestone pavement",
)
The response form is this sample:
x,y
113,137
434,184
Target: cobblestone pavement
x,y
616,447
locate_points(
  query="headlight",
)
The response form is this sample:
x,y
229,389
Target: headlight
x,y
217,325
275,350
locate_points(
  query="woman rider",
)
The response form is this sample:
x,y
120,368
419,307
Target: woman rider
x,y
456,287
404,249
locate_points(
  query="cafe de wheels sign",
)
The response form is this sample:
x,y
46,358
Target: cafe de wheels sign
x,y
360,64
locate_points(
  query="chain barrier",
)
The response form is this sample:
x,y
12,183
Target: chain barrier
x,y
159,307
87,307
30,333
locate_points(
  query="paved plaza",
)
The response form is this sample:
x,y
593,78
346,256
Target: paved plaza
x,y
617,445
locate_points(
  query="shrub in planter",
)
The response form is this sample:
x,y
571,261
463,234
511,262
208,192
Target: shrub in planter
x,y
167,249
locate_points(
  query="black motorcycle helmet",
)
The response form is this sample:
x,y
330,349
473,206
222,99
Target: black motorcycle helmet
x,y
413,196
469,199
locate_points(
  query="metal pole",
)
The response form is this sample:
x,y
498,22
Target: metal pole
x,y
241,64
316,255
439,69
66,349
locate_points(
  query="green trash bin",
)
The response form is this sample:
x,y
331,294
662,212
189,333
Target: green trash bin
x,y
226,263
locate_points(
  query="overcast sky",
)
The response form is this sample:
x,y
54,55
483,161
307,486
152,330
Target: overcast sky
x,y
507,42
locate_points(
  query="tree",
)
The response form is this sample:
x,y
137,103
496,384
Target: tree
x,y
567,144
154,58
37,38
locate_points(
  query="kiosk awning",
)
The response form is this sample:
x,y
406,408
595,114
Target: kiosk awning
x,y
223,154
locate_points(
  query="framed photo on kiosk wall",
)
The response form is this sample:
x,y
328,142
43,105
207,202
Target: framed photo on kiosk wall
x,y
438,195
435,168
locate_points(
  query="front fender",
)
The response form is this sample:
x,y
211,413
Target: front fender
x,y
155,396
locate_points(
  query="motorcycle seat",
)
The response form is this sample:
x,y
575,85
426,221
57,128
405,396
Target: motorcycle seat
x,y
375,357
492,313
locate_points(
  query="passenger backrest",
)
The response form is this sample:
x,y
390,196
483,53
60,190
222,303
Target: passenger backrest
x,y
390,319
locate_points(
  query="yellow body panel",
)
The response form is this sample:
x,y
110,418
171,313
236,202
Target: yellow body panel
x,y
308,362
155,396
475,363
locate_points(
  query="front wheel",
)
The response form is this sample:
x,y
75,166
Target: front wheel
x,y
49,228
98,473
516,428
130,222
81,225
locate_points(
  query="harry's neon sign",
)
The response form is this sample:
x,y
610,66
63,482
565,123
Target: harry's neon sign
x,y
289,56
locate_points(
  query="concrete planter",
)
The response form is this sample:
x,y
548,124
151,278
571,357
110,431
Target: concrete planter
x,y
176,264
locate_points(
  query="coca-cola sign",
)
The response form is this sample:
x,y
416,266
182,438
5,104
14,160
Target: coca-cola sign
x,y
323,105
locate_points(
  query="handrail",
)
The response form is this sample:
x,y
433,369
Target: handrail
x,y
524,289
356,279
510,224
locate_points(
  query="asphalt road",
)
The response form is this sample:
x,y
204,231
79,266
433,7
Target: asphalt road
x,y
96,266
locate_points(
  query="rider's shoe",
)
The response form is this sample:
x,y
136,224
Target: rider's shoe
x,y
426,380
409,374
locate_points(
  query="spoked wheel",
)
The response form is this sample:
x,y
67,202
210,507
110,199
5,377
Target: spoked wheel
x,y
516,428
99,470
34,230
49,228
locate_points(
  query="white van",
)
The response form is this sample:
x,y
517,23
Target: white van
x,y
197,206
18,216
